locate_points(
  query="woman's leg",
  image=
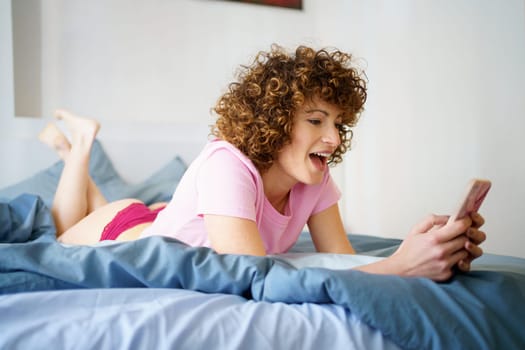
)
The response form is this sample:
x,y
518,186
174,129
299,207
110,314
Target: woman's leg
x,y
54,138
71,203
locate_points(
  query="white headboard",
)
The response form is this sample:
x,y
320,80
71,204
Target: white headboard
x,y
136,148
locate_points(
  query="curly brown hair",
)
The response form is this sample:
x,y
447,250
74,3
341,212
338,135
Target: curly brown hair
x,y
256,113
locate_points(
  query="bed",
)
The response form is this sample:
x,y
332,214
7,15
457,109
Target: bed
x,y
158,293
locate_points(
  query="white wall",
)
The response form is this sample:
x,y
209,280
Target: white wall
x,y
446,98
446,103
160,60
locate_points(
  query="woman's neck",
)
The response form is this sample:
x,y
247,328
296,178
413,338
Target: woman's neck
x,y
276,189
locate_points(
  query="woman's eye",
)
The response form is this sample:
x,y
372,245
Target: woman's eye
x,y
314,121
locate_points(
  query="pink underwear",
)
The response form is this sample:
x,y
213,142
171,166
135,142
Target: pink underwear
x,y
131,216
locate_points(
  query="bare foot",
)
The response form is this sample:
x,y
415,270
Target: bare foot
x,y
82,129
52,136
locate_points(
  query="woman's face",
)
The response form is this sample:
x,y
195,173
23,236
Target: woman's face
x,y
315,136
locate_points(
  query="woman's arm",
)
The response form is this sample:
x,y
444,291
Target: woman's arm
x,y
328,233
232,235
431,249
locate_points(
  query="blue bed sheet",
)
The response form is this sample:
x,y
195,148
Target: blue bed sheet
x,y
134,318
482,309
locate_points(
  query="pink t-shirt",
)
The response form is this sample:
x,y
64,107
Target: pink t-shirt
x,y
223,181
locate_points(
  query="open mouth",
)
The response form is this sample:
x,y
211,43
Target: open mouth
x,y
319,160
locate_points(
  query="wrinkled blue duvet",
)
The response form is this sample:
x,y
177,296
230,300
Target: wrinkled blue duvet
x,y
484,309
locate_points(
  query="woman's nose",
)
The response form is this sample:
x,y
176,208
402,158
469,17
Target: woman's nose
x,y
331,136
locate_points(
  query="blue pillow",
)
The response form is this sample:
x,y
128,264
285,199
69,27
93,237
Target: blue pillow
x,y
158,187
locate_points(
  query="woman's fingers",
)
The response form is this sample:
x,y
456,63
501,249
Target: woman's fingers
x,y
429,222
453,229
464,265
474,250
454,245
476,236
477,220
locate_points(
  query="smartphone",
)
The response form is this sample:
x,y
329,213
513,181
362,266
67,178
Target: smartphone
x,y
476,192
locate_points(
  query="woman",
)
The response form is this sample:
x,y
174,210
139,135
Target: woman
x,y
253,188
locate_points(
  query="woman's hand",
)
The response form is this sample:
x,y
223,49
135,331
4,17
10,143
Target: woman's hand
x,y
431,249
435,246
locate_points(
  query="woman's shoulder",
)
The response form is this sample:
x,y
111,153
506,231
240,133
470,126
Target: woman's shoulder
x,y
226,154
220,162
